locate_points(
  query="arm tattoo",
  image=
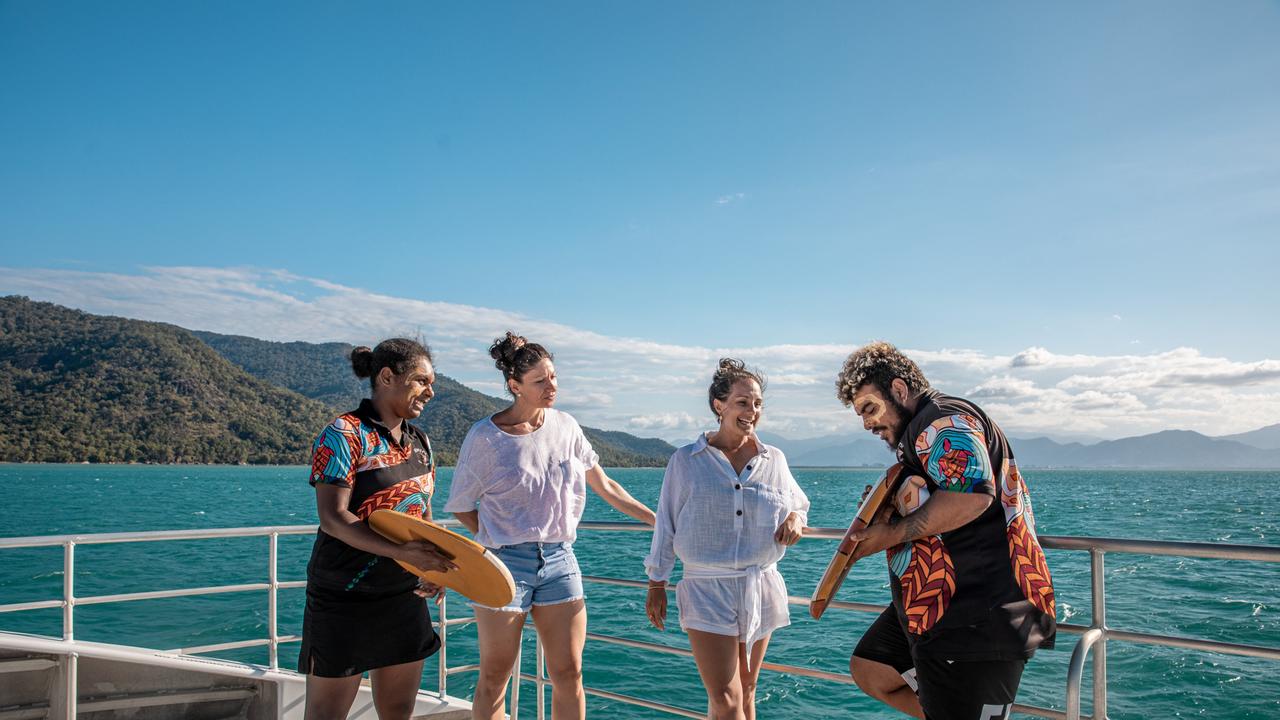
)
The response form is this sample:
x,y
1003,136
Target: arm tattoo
x,y
916,524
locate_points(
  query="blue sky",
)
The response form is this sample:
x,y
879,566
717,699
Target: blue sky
x,y
1079,179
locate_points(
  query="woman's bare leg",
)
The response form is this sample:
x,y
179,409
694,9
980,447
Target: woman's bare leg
x,y
499,640
717,659
395,689
563,629
330,698
749,673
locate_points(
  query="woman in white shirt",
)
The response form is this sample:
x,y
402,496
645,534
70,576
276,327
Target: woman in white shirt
x,y
728,509
520,487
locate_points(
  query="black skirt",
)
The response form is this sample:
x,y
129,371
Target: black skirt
x,y
346,633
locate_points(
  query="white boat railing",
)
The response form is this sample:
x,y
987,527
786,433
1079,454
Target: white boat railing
x,y
1092,643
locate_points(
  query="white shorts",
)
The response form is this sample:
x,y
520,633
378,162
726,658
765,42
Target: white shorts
x,y
715,605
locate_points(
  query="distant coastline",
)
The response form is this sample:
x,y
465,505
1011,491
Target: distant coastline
x,y
1168,449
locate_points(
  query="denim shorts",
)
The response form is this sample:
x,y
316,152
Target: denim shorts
x,y
544,573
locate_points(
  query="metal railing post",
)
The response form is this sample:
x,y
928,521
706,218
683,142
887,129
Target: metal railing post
x,y
540,671
70,668
1075,671
273,583
70,688
68,590
1099,612
515,681
444,643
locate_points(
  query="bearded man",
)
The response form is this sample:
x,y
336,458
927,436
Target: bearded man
x,y
972,595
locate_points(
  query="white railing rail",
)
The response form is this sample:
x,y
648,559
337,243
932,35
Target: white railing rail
x,y
1093,641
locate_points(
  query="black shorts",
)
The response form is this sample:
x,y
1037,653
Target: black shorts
x,y
948,690
346,633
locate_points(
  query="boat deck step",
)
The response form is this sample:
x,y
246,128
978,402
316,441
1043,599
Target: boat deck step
x,y
168,697
35,711
26,664
132,701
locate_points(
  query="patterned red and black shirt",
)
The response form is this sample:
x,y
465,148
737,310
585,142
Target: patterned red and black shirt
x,y
981,591
357,451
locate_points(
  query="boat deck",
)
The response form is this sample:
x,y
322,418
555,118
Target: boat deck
x,y
117,681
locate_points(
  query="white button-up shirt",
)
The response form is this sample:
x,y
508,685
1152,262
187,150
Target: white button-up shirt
x,y
527,488
711,516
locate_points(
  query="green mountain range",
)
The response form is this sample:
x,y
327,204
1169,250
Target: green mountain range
x,y
81,387
322,371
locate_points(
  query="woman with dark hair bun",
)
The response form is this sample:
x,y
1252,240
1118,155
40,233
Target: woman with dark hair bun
x,y
364,612
728,509
520,487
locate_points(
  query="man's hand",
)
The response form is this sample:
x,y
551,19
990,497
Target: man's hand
x,y
880,535
789,532
655,606
425,556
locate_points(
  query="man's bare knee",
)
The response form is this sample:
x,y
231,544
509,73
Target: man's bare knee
x,y
876,679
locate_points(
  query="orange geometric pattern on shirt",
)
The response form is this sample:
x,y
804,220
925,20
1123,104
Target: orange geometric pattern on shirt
x,y
320,461
1029,566
389,498
395,455
927,584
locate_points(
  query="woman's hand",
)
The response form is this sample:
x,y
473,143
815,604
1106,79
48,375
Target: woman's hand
x,y
789,532
656,605
617,496
424,556
429,590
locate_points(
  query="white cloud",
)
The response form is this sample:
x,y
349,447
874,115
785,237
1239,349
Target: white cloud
x,y
730,198
650,387
678,421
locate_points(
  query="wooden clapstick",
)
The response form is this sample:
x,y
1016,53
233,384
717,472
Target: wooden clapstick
x,y
880,496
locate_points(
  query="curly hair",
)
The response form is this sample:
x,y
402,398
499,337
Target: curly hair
x,y
728,372
878,363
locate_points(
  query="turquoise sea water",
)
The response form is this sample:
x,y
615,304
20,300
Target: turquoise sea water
x,y
1218,600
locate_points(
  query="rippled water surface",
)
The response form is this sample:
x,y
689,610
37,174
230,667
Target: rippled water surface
x,y
1219,600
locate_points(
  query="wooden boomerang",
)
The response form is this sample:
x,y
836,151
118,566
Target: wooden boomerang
x,y
480,575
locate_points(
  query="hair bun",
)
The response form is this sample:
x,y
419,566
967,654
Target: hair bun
x,y
514,355
362,361
728,372
731,365
504,349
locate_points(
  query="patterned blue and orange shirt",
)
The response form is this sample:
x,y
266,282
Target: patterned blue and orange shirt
x,y
356,451
981,591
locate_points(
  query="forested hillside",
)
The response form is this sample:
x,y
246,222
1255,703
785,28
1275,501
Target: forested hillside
x,y
80,387
77,387
322,371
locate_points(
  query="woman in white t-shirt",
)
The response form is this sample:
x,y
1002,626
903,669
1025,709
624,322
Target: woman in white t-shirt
x,y
728,509
520,487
